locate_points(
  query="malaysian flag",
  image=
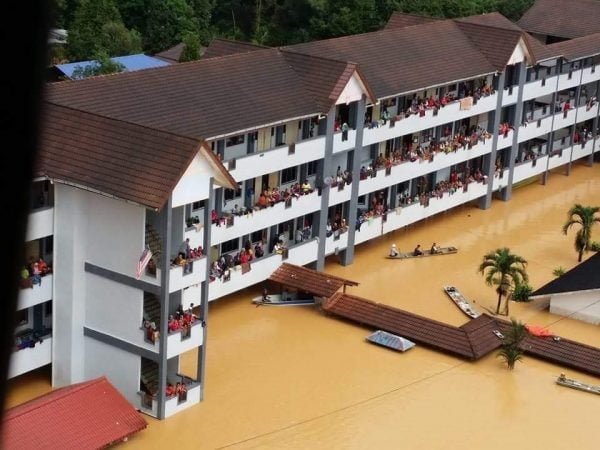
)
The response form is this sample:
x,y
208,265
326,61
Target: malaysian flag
x,y
143,262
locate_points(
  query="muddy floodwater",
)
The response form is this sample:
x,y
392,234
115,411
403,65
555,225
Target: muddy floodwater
x,y
293,378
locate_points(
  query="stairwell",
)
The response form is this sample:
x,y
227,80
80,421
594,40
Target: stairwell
x,y
149,376
154,243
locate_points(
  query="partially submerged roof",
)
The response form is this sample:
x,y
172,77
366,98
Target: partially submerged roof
x,y
111,157
562,18
130,62
403,20
308,280
223,47
583,277
88,415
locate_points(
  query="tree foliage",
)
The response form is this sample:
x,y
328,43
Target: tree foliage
x,y
102,65
504,270
585,217
167,21
511,350
191,48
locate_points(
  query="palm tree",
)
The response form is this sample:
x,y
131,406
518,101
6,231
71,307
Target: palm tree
x,y
586,218
511,350
504,270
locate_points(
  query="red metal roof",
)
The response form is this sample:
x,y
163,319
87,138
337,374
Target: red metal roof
x,y
88,415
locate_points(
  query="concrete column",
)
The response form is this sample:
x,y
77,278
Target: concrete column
x,y
590,159
325,170
347,255
494,119
393,196
165,272
218,199
507,193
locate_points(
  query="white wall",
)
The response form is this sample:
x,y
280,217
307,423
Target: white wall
x,y
113,308
193,185
40,224
583,306
120,367
352,92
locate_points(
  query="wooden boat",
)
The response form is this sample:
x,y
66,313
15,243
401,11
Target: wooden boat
x,y
390,340
287,299
569,382
460,301
442,251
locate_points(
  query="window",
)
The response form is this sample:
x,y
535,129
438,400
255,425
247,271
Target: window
x,y
311,168
235,140
230,246
230,194
289,175
48,309
199,205
362,199
22,317
258,236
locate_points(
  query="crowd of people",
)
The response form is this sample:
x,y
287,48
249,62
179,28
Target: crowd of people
x,y
187,255
182,320
33,272
180,390
221,268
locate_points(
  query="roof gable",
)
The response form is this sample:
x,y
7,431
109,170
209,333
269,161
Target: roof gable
x,y
583,277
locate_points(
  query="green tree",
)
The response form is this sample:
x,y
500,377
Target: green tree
x,y
504,270
513,9
167,21
102,65
203,13
134,13
191,48
333,18
97,28
585,217
511,350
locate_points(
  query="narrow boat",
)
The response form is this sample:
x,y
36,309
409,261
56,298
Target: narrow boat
x,y
460,301
287,299
390,340
569,382
442,251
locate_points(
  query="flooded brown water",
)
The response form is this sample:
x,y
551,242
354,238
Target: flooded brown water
x,y
293,378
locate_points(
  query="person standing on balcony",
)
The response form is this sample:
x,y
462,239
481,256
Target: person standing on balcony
x,y
37,274
345,131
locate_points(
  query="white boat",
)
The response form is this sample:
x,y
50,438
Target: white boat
x,y
569,382
460,301
285,299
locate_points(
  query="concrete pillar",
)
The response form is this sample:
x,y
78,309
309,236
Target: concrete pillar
x,y
325,170
347,255
165,272
204,293
494,119
518,114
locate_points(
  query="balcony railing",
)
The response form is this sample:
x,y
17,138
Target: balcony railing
x,y
569,79
336,242
580,151
539,88
40,223
185,339
30,358
193,272
529,169
36,293
183,400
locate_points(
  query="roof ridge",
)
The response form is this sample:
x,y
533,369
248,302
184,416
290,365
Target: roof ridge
x,y
235,41
481,25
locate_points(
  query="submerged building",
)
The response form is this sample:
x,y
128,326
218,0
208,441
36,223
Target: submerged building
x,y
165,189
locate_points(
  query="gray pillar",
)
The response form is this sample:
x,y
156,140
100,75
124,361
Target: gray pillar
x,y
325,171
204,293
507,193
347,256
165,272
590,159
393,196
218,198
577,99
546,173
486,202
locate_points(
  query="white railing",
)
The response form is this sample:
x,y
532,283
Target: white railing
x,y
179,280
535,128
174,405
579,151
40,223
177,343
539,88
279,158
590,74
368,230
567,81
27,359
340,145
336,196
258,220
560,121
336,243
527,169
510,95
37,294
560,159
583,113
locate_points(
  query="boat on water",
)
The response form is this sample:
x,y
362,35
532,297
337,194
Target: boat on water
x,y
569,382
442,251
285,299
460,301
390,340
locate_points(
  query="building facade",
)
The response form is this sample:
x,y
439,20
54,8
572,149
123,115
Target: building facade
x,y
297,153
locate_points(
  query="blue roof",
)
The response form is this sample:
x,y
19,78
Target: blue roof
x,y
131,63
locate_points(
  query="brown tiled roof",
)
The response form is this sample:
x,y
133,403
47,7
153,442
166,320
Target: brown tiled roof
x,y
174,53
577,48
223,47
115,158
302,278
403,20
396,61
472,340
200,99
562,18
420,329
88,415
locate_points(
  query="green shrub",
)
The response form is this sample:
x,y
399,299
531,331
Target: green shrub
x,y
595,246
559,271
522,293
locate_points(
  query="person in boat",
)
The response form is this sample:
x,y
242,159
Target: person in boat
x,y
562,377
417,251
435,248
394,251
265,296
